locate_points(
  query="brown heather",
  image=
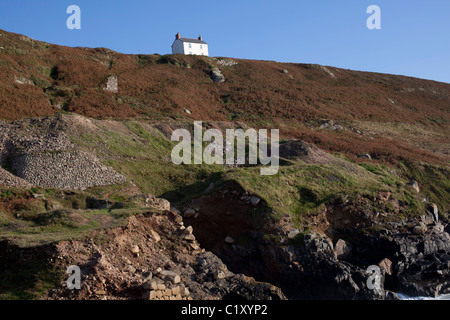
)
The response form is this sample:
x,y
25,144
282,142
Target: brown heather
x,y
257,92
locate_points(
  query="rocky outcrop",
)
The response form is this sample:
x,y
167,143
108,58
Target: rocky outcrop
x,y
112,84
224,62
415,264
308,152
423,265
313,265
217,75
414,185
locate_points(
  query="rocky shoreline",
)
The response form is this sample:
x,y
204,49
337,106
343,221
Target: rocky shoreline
x,y
412,262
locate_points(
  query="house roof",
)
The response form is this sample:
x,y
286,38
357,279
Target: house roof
x,y
191,40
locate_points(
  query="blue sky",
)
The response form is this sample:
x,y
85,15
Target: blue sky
x,y
414,39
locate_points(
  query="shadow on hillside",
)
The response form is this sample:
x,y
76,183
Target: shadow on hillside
x,y
192,191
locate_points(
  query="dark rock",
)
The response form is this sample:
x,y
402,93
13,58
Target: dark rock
x,y
316,242
342,249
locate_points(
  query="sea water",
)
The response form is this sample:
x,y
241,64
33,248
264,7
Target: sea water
x,y
441,297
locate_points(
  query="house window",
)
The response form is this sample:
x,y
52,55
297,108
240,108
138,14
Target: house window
x,y
201,46
190,46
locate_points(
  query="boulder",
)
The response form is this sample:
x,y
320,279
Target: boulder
x,y
293,233
390,295
170,276
135,249
189,213
189,237
217,75
219,274
254,200
326,124
337,127
112,84
175,290
229,240
342,249
438,228
427,218
433,211
316,242
387,266
155,236
149,295
210,187
415,185
419,229
189,230
154,284
160,204
194,245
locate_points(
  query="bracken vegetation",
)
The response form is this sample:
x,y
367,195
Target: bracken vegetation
x,y
39,79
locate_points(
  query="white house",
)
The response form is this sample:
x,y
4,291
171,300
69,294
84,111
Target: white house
x,y
190,46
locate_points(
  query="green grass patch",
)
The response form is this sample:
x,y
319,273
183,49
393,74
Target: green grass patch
x,y
304,189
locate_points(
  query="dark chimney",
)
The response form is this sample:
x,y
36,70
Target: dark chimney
x,y
177,36
200,38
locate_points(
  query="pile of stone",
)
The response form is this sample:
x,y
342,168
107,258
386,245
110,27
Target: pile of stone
x,y
165,286
41,155
7,179
429,222
65,170
191,213
242,196
329,124
54,141
226,62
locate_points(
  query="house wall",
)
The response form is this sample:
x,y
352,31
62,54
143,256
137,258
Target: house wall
x,y
180,47
177,47
195,49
